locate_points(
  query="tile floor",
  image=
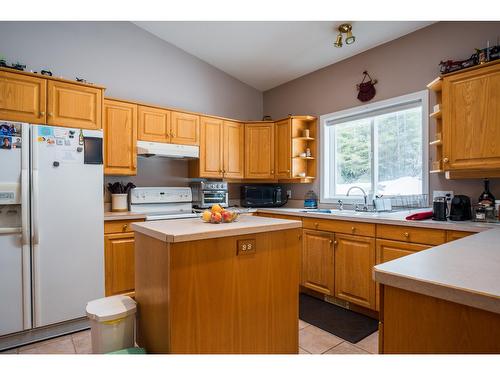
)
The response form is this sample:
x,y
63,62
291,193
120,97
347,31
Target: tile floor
x,y
312,340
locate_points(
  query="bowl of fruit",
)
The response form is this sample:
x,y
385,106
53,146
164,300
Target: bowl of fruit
x,y
218,215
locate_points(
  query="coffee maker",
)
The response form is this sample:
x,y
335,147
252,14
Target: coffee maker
x,y
439,209
460,208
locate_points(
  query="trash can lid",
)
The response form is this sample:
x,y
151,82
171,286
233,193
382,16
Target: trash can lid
x,y
110,308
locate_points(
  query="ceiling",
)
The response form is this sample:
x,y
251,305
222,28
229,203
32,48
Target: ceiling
x,y
265,54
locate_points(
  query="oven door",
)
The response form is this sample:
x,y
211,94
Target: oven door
x,y
211,197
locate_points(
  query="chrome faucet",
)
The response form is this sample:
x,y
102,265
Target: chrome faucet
x,y
365,197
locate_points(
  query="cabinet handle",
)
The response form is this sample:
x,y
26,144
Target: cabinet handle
x,y
446,160
288,171
42,113
51,114
124,227
272,172
334,242
353,229
173,135
316,225
406,234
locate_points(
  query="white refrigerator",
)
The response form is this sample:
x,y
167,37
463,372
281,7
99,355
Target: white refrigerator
x,y
51,224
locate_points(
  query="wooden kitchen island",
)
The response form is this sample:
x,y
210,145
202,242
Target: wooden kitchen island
x,y
218,288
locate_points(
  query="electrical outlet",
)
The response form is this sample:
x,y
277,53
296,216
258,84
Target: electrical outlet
x,y
443,193
289,194
246,247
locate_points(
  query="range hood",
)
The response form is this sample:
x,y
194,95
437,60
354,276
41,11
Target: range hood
x,y
167,150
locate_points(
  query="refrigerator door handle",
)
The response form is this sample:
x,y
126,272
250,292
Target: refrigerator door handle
x,y
24,207
35,186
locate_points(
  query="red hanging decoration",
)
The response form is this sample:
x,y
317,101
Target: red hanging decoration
x,y
366,90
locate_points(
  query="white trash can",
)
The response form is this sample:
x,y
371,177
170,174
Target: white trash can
x,y
112,323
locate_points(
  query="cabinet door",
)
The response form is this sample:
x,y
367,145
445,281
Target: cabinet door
x,y
283,149
22,98
210,147
185,129
471,115
390,250
153,124
234,149
354,261
119,263
317,261
120,138
74,106
259,151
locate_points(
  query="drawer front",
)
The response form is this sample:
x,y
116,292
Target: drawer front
x,y
278,216
338,226
119,226
452,235
410,234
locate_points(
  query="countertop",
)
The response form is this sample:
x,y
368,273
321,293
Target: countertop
x,y
126,215
393,218
465,271
195,229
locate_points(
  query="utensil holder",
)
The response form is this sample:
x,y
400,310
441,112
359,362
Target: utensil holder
x,y
119,202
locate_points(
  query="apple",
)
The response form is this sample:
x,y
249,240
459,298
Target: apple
x,y
227,216
216,217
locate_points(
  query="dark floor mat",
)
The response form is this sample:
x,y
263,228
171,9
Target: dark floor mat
x,y
346,324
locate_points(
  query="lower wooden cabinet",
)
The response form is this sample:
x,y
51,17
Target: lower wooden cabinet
x,y
389,250
119,258
354,261
318,261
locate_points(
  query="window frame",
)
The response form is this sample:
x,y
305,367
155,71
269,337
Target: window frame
x,y
421,96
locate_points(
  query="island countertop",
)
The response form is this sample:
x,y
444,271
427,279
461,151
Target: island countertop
x,y
183,230
466,271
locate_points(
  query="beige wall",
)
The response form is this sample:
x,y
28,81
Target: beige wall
x,y
402,66
132,64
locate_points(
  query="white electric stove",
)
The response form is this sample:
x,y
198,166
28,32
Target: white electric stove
x,y
162,203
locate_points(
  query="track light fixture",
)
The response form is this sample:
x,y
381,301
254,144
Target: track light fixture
x,y
345,28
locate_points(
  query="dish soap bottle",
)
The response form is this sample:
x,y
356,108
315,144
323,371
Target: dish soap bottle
x,y
311,200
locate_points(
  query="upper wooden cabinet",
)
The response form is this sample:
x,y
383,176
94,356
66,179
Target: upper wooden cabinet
x,y
221,150
471,119
120,137
185,129
354,261
234,149
153,124
318,261
211,148
259,151
283,149
33,98
74,106
22,98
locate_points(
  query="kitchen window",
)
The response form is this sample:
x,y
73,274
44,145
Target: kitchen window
x,y
380,147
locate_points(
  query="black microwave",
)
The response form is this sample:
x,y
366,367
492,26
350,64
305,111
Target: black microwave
x,y
263,196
